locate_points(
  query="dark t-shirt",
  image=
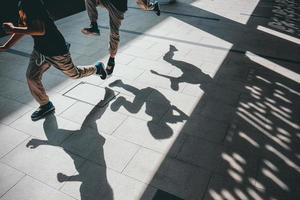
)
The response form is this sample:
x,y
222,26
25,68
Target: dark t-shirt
x,y
121,5
52,43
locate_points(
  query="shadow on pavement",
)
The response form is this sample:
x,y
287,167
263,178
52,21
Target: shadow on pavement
x,y
79,145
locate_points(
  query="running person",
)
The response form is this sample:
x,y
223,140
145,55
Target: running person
x,y
116,10
50,48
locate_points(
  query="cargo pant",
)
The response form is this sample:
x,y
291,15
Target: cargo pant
x,y
145,4
39,63
115,19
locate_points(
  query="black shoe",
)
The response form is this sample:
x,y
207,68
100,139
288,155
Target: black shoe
x,y
42,111
68,45
156,8
92,30
110,66
100,70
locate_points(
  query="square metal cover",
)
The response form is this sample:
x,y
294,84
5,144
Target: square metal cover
x,y
91,94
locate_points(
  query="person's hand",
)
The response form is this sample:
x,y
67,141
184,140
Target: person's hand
x,y
8,27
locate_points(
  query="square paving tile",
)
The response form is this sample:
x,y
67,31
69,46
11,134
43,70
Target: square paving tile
x,y
96,181
42,161
178,178
31,189
91,94
8,178
10,138
152,136
96,117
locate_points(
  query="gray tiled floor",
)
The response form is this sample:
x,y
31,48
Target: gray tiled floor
x,y
207,107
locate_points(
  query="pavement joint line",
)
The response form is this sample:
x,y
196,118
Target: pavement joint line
x,y
227,129
74,98
211,174
166,157
184,136
21,114
166,154
20,53
24,54
207,185
181,14
200,44
190,163
258,16
24,104
210,46
145,71
11,79
67,108
86,160
82,82
24,175
4,163
88,126
65,182
28,136
10,98
129,161
51,186
221,144
112,134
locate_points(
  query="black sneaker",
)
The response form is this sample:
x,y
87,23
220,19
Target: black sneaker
x,y
110,66
100,70
92,30
68,45
42,111
156,8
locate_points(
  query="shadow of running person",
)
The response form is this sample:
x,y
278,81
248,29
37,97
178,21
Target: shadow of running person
x,y
190,73
161,113
87,144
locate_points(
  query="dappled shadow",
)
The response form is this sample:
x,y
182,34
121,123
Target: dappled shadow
x,y
260,156
84,143
260,149
245,38
283,16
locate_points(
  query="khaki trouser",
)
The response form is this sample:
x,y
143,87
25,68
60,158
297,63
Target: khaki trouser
x,y
39,63
145,4
115,19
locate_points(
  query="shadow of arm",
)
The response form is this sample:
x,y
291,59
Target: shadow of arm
x,y
34,143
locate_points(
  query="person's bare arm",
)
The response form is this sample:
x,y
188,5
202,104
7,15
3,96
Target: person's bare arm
x,y
11,41
35,28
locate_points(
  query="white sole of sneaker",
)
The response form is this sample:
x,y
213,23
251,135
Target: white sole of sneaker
x,y
90,34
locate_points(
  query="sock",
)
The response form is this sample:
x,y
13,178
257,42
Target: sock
x,y
111,61
94,24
